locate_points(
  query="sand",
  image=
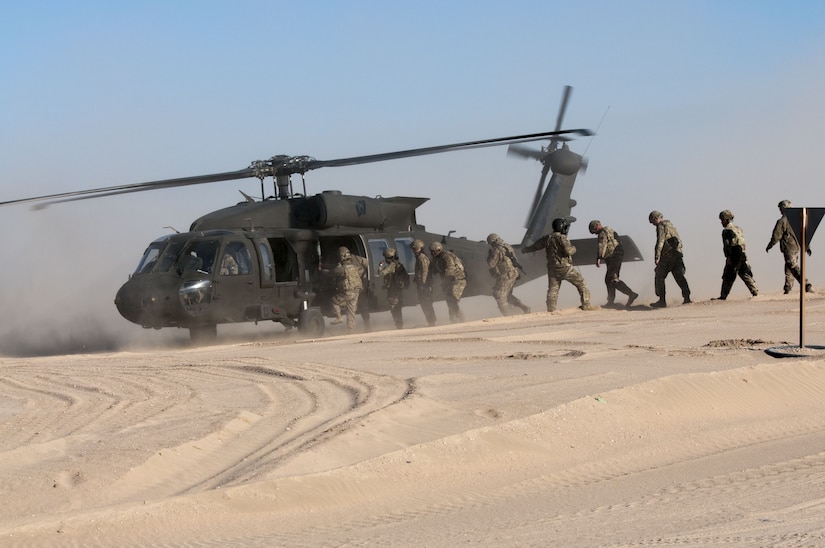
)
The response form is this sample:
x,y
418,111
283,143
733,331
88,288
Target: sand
x,y
610,427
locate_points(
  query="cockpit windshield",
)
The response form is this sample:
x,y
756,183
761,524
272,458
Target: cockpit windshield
x,y
160,256
150,257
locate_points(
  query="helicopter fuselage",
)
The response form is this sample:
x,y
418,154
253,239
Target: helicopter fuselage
x,y
273,263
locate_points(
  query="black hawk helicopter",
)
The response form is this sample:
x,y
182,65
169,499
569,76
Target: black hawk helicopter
x,y
281,245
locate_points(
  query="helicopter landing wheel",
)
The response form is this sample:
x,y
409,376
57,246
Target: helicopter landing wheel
x,y
203,334
311,323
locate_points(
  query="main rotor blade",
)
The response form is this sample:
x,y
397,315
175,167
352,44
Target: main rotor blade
x,y
284,165
444,148
135,187
563,108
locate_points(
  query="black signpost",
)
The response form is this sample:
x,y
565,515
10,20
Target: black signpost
x,y
804,222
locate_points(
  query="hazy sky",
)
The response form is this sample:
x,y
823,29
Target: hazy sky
x,y
699,105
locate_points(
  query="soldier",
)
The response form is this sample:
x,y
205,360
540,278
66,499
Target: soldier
x,y
668,258
736,261
347,288
364,296
396,280
229,266
423,281
559,264
612,253
783,234
504,268
454,279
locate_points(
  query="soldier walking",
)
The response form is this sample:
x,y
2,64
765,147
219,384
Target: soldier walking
x,y
504,268
669,259
736,261
454,279
347,288
612,253
364,296
783,234
396,280
423,281
560,253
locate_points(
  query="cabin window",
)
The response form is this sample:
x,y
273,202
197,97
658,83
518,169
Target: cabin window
x,y
267,267
405,254
377,248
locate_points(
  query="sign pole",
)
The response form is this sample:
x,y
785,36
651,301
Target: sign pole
x,y
803,212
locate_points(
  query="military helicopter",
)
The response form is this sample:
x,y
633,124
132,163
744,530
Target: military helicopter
x,y
281,245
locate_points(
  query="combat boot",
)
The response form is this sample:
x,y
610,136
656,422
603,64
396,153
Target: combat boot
x,y
631,298
661,303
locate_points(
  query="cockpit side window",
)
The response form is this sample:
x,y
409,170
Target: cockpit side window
x,y
235,260
198,255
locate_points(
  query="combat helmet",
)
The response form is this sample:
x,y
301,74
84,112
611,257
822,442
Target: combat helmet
x,y
417,245
435,246
654,215
726,215
493,238
593,226
784,204
390,253
561,225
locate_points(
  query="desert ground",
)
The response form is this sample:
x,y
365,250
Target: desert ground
x,y
611,427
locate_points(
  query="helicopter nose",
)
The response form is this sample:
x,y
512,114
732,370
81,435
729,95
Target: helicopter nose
x,y
149,300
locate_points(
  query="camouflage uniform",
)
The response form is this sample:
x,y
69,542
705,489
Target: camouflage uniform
x,y
396,280
365,295
423,281
348,287
453,278
736,261
229,266
783,233
560,252
669,259
612,253
501,259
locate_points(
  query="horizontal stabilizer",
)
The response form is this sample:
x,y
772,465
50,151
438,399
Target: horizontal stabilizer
x,y
588,248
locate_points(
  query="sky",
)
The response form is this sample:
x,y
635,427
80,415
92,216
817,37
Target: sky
x,y
698,105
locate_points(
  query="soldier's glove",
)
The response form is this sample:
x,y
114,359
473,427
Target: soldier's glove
x,y
808,251
767,249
